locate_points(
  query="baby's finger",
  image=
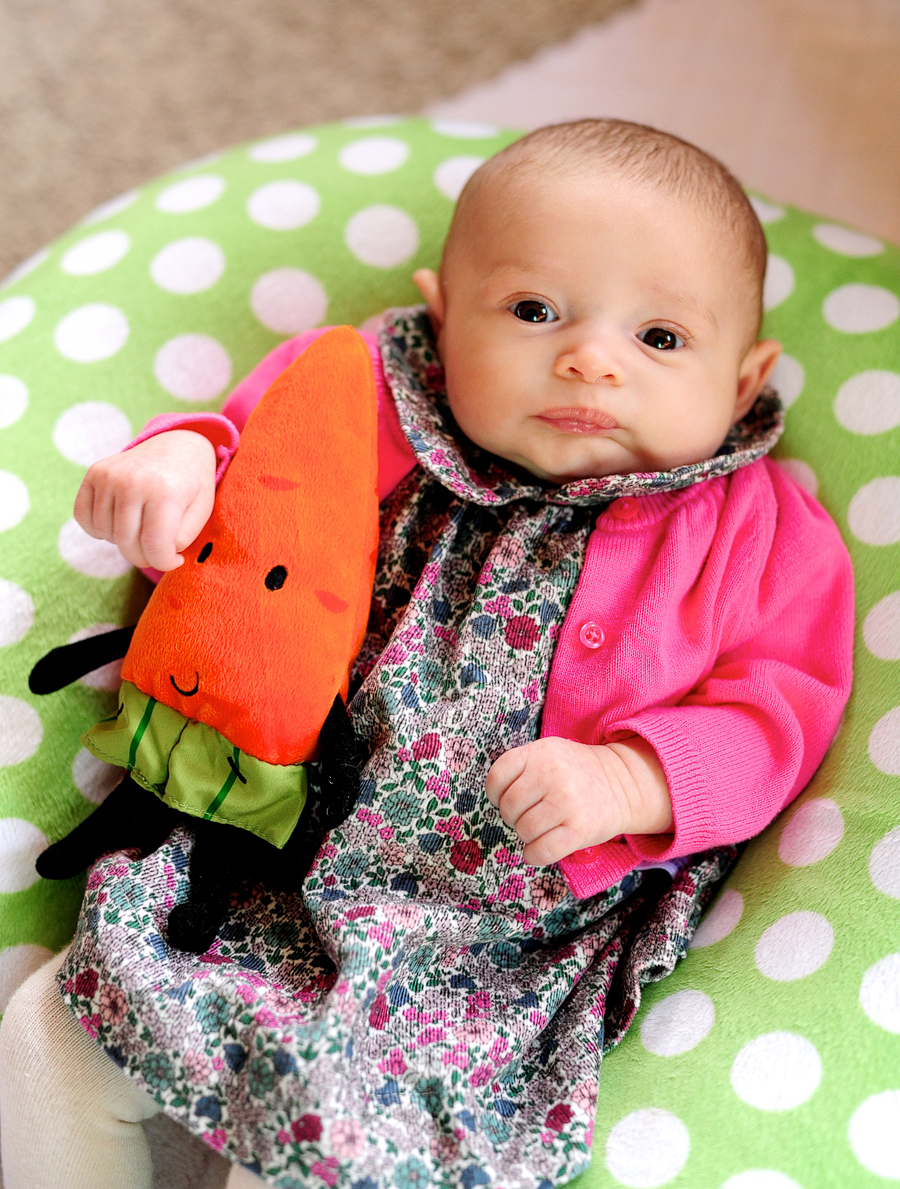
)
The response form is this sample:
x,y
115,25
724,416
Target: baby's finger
x,y
160,523
504,770
551,847
195,516
126,527
84,507
521,796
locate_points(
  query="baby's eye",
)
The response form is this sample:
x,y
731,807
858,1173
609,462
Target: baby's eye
x,y
533,310
661,339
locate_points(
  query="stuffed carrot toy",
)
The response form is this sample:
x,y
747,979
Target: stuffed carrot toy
x,y
237,672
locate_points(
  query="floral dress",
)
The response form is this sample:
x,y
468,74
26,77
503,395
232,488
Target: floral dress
x,y
430,1010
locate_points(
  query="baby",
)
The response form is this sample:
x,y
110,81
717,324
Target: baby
x,y
608,633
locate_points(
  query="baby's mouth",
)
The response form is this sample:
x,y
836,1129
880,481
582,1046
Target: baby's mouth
x,y
579,421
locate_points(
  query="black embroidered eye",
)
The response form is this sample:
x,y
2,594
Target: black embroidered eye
x,y
205,551
532,310
275,578
661,339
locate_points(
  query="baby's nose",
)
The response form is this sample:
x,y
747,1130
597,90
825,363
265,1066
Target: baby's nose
x,y
590,361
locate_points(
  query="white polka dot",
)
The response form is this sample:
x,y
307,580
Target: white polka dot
x,y
869,402
17,962
760,1178
801,472
881,629
374,154
451,175
114,206
289,300
884,743
879,994
858,309
678,1023
282,148
14,501
383,236
20,844
766,212
96,253
812,833
845,241
779,283
776,1071
97,559
649,1147
465,129
794,947
94,779
188,265
26,268
884,864
88,432
21,732
193,194
875,1134
720,920
788,379
283,206
13,400
91,332
16,612
874,512
370,121
107,676
193,367
15,314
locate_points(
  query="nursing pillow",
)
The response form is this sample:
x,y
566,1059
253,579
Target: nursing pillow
x,y
771,1058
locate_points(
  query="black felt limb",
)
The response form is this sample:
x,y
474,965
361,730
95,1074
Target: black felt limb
x,y
66,664
223,856
339,766
131,818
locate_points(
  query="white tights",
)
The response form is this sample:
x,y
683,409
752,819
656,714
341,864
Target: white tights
x,y
69,1117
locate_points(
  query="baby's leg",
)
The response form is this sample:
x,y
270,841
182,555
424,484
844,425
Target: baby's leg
x,y
69,1117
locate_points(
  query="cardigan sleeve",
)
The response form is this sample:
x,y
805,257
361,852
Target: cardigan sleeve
x,y
749,737
750,730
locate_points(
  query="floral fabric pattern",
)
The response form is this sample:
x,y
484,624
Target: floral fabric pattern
x,y
430,1010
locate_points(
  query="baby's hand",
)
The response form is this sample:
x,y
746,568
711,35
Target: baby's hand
x,y
151,500
561,796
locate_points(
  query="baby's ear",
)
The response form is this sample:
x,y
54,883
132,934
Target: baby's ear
x,y
428,283
755,370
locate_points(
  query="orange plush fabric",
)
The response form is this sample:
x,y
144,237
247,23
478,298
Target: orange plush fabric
x,y
256,632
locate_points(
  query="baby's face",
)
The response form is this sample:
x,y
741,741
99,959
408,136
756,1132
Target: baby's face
x,y
594,326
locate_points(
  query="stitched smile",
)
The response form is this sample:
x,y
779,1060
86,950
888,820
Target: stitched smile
x,y
186,693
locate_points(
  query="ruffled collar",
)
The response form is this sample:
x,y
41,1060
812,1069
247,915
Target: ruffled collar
x,y
416,377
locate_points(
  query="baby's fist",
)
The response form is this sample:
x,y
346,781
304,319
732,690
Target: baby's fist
x,y
559,796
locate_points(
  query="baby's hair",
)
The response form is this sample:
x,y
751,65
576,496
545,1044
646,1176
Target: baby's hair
x,y
642,154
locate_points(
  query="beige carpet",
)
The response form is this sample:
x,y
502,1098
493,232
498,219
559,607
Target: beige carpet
x,y
97,96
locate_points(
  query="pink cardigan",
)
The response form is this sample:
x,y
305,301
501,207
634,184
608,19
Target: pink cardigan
x,y
715,622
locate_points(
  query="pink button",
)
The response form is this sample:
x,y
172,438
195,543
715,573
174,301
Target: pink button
x,y
591,634
625,508
588,855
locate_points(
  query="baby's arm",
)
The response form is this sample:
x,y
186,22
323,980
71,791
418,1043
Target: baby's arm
x,y
561,796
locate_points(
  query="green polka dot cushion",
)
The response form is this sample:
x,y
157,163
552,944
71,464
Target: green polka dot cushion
x,y
771,1058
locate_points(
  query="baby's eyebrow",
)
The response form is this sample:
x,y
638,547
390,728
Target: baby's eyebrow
x,y
680,298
